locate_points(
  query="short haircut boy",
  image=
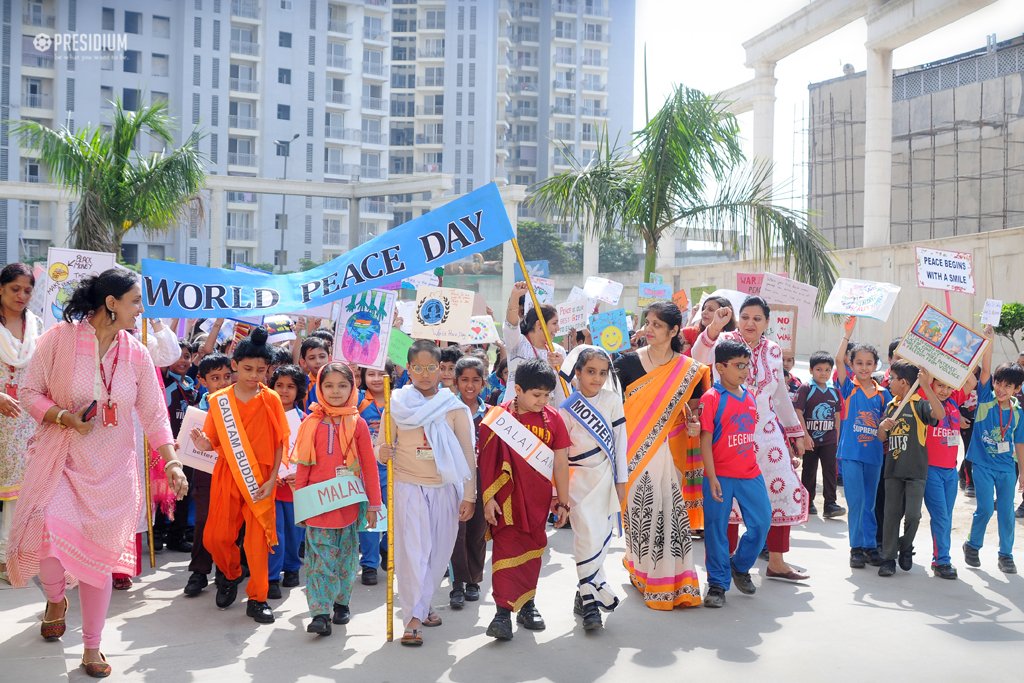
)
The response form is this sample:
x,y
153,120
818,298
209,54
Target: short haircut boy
x,y
535,373
313,343
1010,373
904,370
725,351
470,363
299,377
324,335
451,354
821,357
892,346
422,346
213,361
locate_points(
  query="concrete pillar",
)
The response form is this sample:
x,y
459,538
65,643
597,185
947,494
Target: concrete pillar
x,y
591,255
764,110
353,223
508,254
878,148
216,214
61,223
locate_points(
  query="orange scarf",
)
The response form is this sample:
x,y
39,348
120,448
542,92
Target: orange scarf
x,y
304,451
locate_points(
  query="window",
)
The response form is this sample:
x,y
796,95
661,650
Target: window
x,y
280,257
106,96
161,27
133,22
280,221
130,253
161,65
284,39
156,251
131,61
284,76
130,99
284,112
159,97
108,19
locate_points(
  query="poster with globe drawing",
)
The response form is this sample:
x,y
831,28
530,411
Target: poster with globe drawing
x,y
65,268
364,328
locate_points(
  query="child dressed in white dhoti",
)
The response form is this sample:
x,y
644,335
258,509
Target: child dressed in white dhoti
x,y
596,422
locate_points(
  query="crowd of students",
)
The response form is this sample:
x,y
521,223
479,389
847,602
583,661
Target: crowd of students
x,y
701,428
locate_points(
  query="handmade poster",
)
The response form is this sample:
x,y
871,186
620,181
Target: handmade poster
x,y
610,330
482,330
187,452
479,305
545,288
572,315
603,289
363,328
407,312
577,294
782,327
649,292
776,289
949,270
279,329
943,345
749,283
681,300
226,333
992,313
442,313
38,300
421,280
65,268
696,292
862,298
534,268
242,331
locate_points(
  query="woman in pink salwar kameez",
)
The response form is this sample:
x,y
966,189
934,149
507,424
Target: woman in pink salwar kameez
x,y
81,497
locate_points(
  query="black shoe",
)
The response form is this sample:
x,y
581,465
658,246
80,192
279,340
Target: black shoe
x,y
369,576
260,612
833,510
274,590
971,558
302,549
321,625
969,491
963,483
592,618
472,592
888,568
744,584
530,617
715,597
1020,511
196,583
858,560
874,557
342,615
290,580
696,534
577,605
227,590
944,571
1006,565
906,559
180,546
501,625
457,597
812,510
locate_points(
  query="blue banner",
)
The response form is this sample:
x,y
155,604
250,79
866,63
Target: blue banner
x,y
465,226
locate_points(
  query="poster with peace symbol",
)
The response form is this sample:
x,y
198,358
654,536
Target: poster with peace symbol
x,y
442,313
364,328
610,330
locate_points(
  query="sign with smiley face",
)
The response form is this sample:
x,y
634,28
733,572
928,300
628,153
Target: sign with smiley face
x,y
610,330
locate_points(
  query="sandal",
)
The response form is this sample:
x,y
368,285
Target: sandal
x,y
54,628
97,669
412,637
122,582
432,620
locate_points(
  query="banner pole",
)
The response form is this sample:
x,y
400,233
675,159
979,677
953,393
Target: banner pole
x,y
536,305
145,468
906,399
388,439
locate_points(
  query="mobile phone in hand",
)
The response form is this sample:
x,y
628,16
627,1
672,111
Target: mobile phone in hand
x,y
90,412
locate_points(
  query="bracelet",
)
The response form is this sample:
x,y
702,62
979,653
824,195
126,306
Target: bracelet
x,y
173,462
560,505
60,416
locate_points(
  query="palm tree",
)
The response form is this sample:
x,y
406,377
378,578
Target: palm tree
x,y
119,188
686,172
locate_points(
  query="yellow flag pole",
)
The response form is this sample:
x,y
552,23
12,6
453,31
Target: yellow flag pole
x,y
536,305
145,468
389,439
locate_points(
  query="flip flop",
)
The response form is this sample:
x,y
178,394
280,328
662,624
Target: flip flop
x,y
412,637
432,620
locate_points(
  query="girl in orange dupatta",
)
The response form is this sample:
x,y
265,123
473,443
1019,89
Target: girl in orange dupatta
x,y
659,383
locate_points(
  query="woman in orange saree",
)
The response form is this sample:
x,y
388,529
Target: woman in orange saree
x,y
659,384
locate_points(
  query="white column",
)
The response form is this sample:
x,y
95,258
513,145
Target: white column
x,y
508,254
353,222
878,148
216,213
61,223
591,255
764,110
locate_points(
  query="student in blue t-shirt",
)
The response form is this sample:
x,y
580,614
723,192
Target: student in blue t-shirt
x,y
997,445
860,451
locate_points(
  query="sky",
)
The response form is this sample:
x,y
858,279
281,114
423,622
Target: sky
x,y
699,44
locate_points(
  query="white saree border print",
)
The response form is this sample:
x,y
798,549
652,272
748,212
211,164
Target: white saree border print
x,y
521,440
238,455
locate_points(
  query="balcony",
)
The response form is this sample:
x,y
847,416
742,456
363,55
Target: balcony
x,y
342,133
428,168
374,69
526,12
33,222
245,122
529,138
597,37
594,111
335,204
38,19
377,3
530,112
339,62
375,172
594,61
340,26
564,7
431,52
372,137
37,60
241,197
375,34
241,159
565,34
249,9
522,163
249,85
245,47
375,103
239,233
564,109
595,86
430,139
332,238
563,84
37,100
430,24
526,63
430,110
376,206
433,82
528,37
529,87
338,168
342,98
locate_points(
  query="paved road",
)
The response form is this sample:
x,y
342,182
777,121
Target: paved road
x,y
843,625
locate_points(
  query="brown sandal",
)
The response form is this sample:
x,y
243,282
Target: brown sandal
x,y
432,620
97,669
122,582
412,637
53,629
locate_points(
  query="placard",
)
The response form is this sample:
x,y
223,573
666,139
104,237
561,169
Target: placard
x,y
577,294
949,270
776,289
649,292
279,329
992,313
65,268
329,495
442,313
363,328
945,346
681,300
187,452
603,289
482,330
749,283
610,330
407,312
534,268
545,289
421,280
572,315
697,292
862,298
782,327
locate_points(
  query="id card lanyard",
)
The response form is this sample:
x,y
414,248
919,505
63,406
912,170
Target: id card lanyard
x,y
11,387
109,410
1003,446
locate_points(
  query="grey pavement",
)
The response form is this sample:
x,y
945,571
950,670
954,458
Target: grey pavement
x,y
841,625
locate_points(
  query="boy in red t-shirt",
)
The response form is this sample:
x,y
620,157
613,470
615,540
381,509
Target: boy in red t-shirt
x,y
943,444
728,418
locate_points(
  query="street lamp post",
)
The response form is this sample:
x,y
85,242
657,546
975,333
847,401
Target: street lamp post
x,y
283,150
